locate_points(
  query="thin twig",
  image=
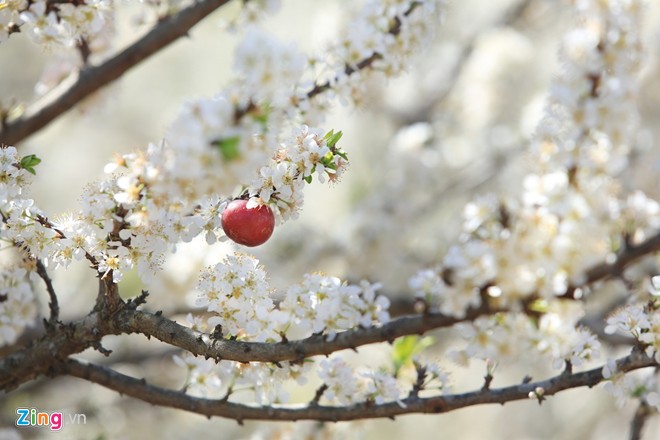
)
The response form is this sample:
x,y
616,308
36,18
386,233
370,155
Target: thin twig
x,y
92,78
54,306
614,269
639,420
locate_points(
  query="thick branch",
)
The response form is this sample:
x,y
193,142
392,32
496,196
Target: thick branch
x,y
644,411
92,78
141,390
42,356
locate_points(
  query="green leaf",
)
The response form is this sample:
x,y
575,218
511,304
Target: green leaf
x,y
29,162
229,147
308,179
405,349
331,138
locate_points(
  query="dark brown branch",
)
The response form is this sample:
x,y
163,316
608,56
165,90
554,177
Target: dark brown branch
x,y
177,335
141,390
43,355
92,78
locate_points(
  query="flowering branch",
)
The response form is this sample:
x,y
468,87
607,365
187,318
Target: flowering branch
x,y
177,335
627,256
39,358
140,389
92,78
512,284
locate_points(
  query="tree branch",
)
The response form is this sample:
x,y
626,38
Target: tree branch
x,y
626,257
92,78
644,411
42,356
170,332
54,306
140,389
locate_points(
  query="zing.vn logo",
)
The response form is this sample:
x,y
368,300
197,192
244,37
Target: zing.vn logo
x,y
54,420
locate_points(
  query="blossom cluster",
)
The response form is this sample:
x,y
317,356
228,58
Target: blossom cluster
x,y
530,253
23,223
54,23
238,296
641,321
506,337
342,383
627,386
571,213
176,189
267,381
310,151
325,304
384,33
237,293
18,309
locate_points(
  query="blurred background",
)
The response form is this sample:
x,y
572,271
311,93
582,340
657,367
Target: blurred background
x,y
463,113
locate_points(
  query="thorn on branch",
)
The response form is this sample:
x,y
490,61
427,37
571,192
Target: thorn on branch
x,y
139,300
217,333
419,383
101,349
85,51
